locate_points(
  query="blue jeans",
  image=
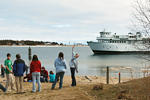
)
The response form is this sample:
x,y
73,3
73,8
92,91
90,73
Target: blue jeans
x,y
73,76
44,79
36,77
61,75
2,88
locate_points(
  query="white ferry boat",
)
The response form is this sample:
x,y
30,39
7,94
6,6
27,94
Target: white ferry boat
x,y
113,43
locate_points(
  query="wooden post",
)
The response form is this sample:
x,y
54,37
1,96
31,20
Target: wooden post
x,y
107,75
119,77
29,54
29,57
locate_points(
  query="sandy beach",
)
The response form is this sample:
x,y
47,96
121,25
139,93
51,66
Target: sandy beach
x,y
66,93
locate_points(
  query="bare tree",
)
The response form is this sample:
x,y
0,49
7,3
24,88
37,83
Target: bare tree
x,y
141,16
141,23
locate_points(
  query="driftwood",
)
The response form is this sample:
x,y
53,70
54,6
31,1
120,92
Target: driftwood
x,y
88,78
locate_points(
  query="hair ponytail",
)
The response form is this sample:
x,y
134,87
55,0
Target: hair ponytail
x,y
61,55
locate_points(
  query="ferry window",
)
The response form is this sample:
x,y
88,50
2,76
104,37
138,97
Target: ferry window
x,y
129,42
117,36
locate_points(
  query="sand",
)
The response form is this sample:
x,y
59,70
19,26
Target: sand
x,y
66,93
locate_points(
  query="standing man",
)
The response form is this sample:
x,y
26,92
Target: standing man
x,y
8,70
19,68
73,67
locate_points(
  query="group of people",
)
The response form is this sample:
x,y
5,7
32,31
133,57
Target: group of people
x,y
37,73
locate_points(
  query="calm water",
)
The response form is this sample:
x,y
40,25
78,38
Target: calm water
x,y
89,64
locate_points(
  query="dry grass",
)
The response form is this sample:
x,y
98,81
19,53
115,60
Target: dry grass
x,y
138,89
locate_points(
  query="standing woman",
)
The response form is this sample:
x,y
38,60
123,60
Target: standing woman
x,y
35,69
60,66
73,67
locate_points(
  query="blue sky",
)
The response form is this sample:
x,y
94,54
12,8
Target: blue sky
x,y
63,20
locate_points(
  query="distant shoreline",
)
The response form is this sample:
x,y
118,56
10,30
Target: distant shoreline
x,y
43,45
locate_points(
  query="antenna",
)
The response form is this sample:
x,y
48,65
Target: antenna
x,y
104,30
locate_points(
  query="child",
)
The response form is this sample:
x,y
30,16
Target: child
x,y
51,76
8,70
73,67
18,70
60,65
28,77
44,75
2,71
35,69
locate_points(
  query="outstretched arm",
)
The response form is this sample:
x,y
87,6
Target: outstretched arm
x,y
73,50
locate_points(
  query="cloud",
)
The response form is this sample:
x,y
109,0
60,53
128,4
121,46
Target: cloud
x,y
56,20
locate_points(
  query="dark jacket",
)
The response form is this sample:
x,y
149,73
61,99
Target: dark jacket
x,y
19,67
44,73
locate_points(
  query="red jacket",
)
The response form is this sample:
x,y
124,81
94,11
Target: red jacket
x,y
35,66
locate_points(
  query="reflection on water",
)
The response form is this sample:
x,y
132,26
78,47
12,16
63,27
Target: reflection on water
x,y
89,64
127,64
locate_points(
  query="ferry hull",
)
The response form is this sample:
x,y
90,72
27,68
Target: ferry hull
x,y
110,48
122,52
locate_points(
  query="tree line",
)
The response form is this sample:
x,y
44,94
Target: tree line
x,y
27,42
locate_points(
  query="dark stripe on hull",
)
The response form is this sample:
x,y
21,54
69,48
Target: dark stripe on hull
x,y
120,52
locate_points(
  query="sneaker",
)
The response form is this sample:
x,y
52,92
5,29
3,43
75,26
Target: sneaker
x,y
60,87
13,89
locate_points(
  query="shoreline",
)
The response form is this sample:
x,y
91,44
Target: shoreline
x,y
43,45
88,79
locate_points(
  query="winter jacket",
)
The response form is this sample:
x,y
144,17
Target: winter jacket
x,y
60,65
35,66
74,63
19,67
